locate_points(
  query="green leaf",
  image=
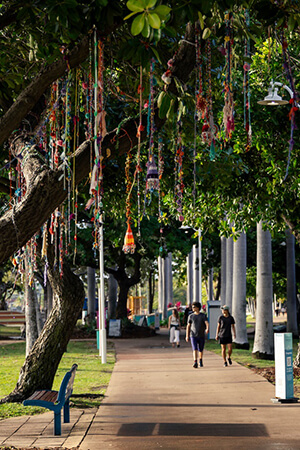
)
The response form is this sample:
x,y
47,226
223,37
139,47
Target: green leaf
x,y
146,29
138,24
131,14
150,3
206,33
156,54
162,11
164,106
135,5
201,20
154,20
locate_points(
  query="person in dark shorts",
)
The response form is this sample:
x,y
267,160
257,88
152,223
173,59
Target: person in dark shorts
x,y
225,331
197,326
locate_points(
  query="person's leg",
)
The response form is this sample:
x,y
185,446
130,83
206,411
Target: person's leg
x,y
172,336
229,353
194,344
201,347
223,347
177,338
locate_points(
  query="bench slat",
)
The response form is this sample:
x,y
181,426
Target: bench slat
x,y
48,396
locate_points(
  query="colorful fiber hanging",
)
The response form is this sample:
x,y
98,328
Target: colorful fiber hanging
x,y
129,245
247,115
179,185
293,100
228,110
152,178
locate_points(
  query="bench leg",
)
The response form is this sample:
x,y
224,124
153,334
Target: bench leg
x,y
67,412
57,423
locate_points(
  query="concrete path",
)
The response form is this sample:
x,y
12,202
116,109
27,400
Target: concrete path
x,y
155,399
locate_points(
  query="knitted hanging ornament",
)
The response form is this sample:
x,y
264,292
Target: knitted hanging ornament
x,y
129,245
152,177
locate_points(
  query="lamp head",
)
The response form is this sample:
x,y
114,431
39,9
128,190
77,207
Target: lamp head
x,y
273,99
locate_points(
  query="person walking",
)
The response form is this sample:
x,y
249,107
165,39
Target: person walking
x,y
174,327
197,326
225,332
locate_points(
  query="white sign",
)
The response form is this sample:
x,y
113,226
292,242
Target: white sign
x,y
284,387
114,328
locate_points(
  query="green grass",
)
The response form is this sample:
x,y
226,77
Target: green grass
x,y
9,331
91,378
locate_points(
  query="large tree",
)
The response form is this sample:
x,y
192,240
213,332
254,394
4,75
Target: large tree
x,y
42,42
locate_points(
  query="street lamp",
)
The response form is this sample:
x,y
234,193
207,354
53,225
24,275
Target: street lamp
x,y
273,99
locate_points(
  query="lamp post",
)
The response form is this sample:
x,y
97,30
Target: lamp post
x,y
101,298
273,99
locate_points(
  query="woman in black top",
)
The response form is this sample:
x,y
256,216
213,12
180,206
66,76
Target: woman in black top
x,y
225,330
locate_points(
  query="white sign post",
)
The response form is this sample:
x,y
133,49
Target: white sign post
x,y
284,386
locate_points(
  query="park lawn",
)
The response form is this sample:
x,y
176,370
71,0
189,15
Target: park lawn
x,y
10,331
91,378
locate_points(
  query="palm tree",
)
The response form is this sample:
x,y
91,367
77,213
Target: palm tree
x,y
229,268
239,291
264,341
223,270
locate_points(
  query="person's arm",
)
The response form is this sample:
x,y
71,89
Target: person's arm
x,y
207,327
217,332
188,330
179,323
233,330
169,323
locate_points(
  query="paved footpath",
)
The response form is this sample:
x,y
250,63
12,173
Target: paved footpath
x,y
155,399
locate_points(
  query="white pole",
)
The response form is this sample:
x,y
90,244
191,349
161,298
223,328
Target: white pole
x,y
200,265
101,298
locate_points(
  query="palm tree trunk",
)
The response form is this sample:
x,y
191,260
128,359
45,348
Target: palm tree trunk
x,y
223,270
239,291
229,271
264,340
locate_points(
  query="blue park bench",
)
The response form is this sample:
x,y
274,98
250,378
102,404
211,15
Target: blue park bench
x,y
56,400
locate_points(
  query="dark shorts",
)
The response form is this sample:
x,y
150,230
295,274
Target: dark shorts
x,y
198,343
226,340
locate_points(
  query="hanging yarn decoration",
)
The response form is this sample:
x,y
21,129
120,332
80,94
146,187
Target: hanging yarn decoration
x,y
201,103
138,164
293,101
152,177
228,110
129,245
246,67
179,185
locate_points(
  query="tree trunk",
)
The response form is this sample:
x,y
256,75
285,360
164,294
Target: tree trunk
x,y
264,340
112,296
223,270
151,286
41,364
30,313
121,310
229,273
189,269
239,291
297,359
292,325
